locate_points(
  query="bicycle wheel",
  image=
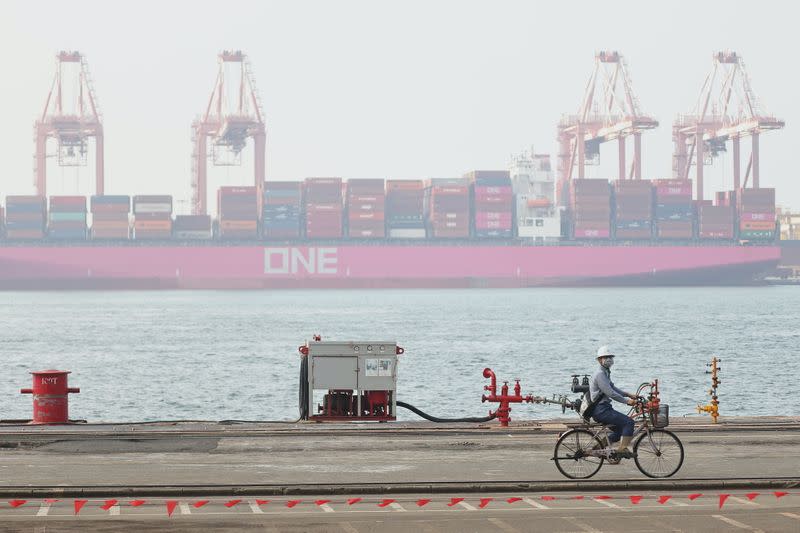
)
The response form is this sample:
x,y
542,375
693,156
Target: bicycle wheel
x,y
573,454
659,453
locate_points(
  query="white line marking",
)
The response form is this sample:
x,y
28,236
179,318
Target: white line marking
x,y
744,501
583,525
397,507
734,523
467,506
255,508
508,528
327,508
44,509
607,503
114,510
184,507
792,515
673,501
534,503
347,526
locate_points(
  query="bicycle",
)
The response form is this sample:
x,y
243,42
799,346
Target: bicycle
x,y
658,453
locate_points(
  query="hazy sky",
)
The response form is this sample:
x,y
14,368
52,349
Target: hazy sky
x,y
365,89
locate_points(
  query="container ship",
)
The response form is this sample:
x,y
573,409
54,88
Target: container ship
x,y
496,228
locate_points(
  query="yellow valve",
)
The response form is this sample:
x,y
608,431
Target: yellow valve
x,y
713,407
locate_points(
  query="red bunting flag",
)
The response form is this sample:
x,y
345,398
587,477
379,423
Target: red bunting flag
x,y
513,500
722,498
663,499
51,501
386,502
485,502
199,503
292,503
17,503
171,505
351,501
581,497
232,503
108,505
602,497
752,495
779,494
262,502
455,501
636,499
548,498
322,502
78,504
423,502
694,496
137,503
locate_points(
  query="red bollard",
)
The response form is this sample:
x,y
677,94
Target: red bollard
x,y
50,400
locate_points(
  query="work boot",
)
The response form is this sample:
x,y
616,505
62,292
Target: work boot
x,y
613,458
623,452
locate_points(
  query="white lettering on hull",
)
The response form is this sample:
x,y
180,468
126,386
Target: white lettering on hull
x,y
293,261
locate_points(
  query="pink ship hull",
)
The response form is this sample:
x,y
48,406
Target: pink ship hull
x,y
240,267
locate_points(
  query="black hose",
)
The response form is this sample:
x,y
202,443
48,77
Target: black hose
x,y
304,388
444,420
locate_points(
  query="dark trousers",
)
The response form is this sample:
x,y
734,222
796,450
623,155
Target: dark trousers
x,y
621,425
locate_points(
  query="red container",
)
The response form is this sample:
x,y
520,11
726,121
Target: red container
x,y
50,397
757,217
592,233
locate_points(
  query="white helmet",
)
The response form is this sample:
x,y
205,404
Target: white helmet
x,y
604,351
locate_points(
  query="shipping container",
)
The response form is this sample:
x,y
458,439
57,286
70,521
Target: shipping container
x,y
25,217
365,206
590,208
447,208
405,200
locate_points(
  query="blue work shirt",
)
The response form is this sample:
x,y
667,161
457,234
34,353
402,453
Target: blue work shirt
x,y
601,382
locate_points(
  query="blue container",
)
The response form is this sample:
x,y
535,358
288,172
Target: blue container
x,y
674,211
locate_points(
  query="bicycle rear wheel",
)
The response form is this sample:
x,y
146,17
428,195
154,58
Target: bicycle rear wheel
x,y
573,454
659,453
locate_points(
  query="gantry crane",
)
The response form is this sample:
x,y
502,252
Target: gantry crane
x,y
727,109
71,115
228,122
609,110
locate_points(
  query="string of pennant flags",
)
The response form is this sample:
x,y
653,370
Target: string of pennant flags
x,y
171,505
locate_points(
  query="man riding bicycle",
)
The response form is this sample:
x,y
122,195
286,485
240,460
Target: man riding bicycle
x,y
601,392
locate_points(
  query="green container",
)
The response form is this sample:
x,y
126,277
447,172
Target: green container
x,y
757,235
64,217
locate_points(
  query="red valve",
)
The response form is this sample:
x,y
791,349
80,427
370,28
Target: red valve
x,y
504,398
399,351
303,350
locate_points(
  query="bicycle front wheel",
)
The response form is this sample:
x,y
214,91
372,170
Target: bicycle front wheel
x,y
659,453
573,454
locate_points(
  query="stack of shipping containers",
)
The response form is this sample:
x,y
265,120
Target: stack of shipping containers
x,y
674,209
67,218
492,203
756,208
237,208
323,208
152,217
281,209
716,222
2,222
590,208
110,216
405,200
447,205
192,227
25,217
633,214
366,209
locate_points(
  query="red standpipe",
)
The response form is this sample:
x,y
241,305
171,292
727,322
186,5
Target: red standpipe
x,y
50,397
504,399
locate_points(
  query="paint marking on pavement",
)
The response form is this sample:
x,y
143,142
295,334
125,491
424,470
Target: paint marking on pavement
x,y
467,506
744,501
184,507
791,515
734,523
348,527
534,503
255,508
607,503
114,510
582,525
673,501
44,509
397,507
508,528
327,508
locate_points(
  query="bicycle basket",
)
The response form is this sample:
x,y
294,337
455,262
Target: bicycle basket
x,y
660,418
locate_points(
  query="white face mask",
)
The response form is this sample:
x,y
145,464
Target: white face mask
x,y
607,362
